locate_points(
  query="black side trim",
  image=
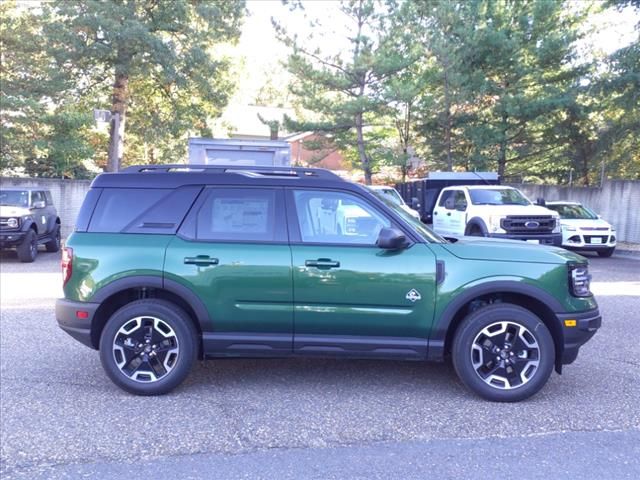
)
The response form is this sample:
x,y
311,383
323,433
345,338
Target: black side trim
x,y
138,281
439,331
151,281
233,344
361,346
194,302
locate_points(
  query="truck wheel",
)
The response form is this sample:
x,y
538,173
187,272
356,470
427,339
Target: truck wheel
x,y
606,253
475,231
503,352
53,245
28,249
148,347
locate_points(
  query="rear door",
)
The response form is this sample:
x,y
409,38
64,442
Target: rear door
x,y
232,251
351,297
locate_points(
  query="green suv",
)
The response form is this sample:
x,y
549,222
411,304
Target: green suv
x,y
169,263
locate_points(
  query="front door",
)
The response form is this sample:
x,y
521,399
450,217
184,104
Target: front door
x,y
232,251
351,297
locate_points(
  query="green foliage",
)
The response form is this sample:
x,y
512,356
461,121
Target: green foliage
x,y
345,90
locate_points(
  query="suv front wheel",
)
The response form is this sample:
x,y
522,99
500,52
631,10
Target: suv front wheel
x,y
148,347
503,352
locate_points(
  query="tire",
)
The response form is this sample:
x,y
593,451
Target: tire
x,y
28,249
148,347
475,231
523,348
53,245
606,253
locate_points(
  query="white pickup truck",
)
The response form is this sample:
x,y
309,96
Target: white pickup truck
x,y
494,211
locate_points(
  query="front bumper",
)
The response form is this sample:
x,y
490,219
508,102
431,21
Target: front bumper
x,y
590,242
577,329
9,239
541,238
67,314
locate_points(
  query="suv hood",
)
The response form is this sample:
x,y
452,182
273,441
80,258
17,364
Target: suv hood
x,y
500,250
13,211
585,222
504,210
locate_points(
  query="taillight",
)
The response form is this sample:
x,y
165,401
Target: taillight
x,y
67,264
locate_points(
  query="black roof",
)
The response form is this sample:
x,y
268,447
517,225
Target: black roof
x,y
173,176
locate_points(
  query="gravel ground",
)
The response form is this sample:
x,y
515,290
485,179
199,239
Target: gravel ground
x,y
62,418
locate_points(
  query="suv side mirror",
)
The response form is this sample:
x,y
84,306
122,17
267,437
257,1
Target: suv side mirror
x,y
540,201
38,204
391,239
415,203
461,207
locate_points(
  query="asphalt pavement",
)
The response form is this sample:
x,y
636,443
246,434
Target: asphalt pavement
x,y
60,416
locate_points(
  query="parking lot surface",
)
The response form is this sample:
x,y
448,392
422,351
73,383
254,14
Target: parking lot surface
x,y
310,418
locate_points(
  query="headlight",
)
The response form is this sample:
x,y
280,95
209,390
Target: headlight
x,y
494,223
579,280
569,228
12,223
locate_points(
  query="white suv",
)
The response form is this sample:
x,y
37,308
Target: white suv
x,y
584,230
494,211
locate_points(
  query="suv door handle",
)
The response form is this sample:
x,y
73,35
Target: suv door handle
x,y
201,261
322,263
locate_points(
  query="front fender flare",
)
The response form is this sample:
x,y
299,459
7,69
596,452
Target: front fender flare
x,y
441,326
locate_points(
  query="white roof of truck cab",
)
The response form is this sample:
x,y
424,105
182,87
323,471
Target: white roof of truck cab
x,y
480,187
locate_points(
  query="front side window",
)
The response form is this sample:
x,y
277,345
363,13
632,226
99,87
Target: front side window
x,y
337,218
460,201
236,214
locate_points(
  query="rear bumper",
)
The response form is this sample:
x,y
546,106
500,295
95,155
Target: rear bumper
x,y
78,328
543,239
586,325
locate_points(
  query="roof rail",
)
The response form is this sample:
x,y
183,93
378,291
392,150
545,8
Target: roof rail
x,y
246,170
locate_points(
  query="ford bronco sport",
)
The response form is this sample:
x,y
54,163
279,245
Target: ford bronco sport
x,y
168,264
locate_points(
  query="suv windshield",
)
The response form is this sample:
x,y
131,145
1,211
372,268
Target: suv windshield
x,y
573,212
418,226
15,198
506,196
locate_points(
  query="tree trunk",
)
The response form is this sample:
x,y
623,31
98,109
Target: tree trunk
x,y
447,106
119,100
364,160
502,154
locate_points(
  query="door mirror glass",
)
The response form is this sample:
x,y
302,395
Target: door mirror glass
x,y
391,239
38,204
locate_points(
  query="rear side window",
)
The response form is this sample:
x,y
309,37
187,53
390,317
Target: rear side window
x,y
241,214
118,207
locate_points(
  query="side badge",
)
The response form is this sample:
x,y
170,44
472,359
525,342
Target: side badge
x,y
413,295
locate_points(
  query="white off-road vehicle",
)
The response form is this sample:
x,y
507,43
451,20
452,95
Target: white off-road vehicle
x,y
494,211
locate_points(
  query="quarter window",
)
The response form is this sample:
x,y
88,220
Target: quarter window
x,y
337,218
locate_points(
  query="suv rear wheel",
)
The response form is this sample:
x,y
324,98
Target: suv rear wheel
x,y
503,352
148,347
